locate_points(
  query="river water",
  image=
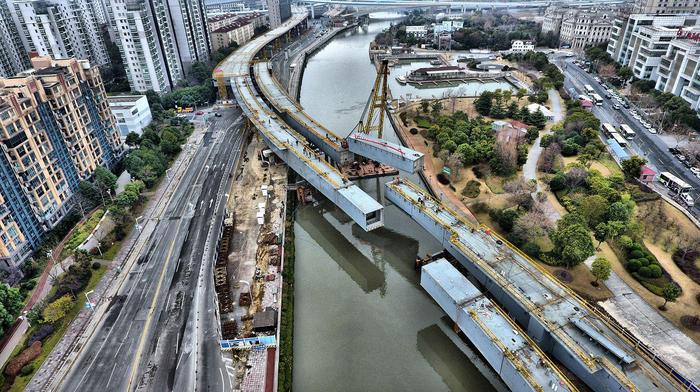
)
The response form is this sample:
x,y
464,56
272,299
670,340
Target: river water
x,y
362,322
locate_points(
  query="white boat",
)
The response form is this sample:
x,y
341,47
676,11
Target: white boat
x,y
401,79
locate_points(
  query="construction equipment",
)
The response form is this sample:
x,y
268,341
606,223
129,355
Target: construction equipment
x,y
221,84
375,109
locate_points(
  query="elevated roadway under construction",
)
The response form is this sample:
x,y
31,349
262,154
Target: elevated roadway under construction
x,y
560,322
307,147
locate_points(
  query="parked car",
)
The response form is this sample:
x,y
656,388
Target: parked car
x,y
625,105
695,170
653,130
616,106
674,150
687,200
199,113
217,114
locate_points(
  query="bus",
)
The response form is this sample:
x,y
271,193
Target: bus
x,y
589,89
674,184
607,129
627,132
597,99
619,139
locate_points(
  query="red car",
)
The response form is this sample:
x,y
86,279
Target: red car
x,y
199,113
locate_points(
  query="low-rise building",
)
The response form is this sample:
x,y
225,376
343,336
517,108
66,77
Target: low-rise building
x,y
679,70
639,41
55,129
229,28
131,112
520,46
534,107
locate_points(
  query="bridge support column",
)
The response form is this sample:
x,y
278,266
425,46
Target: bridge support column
x,y
313,11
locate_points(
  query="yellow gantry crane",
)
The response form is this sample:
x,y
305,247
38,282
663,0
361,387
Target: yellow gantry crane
x,y
375,109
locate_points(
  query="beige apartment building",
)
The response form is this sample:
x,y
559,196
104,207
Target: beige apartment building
x,y
586,29
659,7
229,28
56,129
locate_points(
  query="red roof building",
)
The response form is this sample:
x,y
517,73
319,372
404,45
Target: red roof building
x,y
646,175
521,126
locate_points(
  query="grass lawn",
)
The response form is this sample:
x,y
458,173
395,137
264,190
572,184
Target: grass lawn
x,y
21,381
112,251
495,184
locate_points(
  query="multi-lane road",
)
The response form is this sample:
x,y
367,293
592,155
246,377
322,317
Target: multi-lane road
x,y
160,332
645,144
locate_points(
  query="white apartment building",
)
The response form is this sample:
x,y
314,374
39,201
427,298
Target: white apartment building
x,y
520,46
553,17
132,113
159,40
418,32
640,40
586,29
658,7
239,32
679,70
59,29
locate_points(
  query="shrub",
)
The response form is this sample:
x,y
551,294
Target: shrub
x,y
625,241
633,265
644,272
557,183
27,369
655,271
95,265
636,254
442,178
643,261
477,172
532,249
40,334
472,190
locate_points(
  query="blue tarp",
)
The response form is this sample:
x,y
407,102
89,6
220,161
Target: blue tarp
x,y
618,150
247,343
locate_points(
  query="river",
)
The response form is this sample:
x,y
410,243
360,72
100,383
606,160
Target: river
x,y
362,322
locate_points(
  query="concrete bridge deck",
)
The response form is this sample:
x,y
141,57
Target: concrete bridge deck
x,y
559,321
288,144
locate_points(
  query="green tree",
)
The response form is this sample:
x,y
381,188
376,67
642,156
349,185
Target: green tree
x,y
572,244
200,71
671,291
601,269
537,119
594,208
436,107
483,103
625,73
10,305
57,309
521,93
618,211
424,105
105,181
512,111
632,167
133,139
169,143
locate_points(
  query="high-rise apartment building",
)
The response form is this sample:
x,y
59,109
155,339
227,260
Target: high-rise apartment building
x,y
159,40
679,70
13,58
55,129
59,29
640,40
279,11
666,7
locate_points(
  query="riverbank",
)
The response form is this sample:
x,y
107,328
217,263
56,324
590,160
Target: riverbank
x,y
286,322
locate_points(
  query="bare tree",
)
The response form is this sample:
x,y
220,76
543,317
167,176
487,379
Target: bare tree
x,y
520,192
532,225
576,177
454,162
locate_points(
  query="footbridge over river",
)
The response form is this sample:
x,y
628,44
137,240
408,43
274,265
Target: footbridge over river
x,y
306,146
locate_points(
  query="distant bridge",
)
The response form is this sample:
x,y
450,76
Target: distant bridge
x,y
451,4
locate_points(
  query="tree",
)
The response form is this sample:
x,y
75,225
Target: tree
x,y
537,119
601,269
512,111
105,181
594,208
133,139
57,309
572,243
483,103
10,305
424,105
671,292
169,143
436,107
625,73
200,71
521,93
618,211
520,192
632,167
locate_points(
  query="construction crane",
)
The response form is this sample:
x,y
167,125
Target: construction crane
x,y
375,109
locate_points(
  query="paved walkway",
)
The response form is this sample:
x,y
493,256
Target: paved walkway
x,y
645,322
530,166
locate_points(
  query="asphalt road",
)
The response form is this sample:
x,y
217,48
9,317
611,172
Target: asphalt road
x,y
160,332
645,144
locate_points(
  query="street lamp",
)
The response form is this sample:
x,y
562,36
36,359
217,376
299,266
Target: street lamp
x,y
90,304
137,226
243,281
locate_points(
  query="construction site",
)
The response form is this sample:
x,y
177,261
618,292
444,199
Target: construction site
x,y
534,332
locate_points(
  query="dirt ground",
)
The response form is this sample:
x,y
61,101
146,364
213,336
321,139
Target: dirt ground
x,y
249,259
